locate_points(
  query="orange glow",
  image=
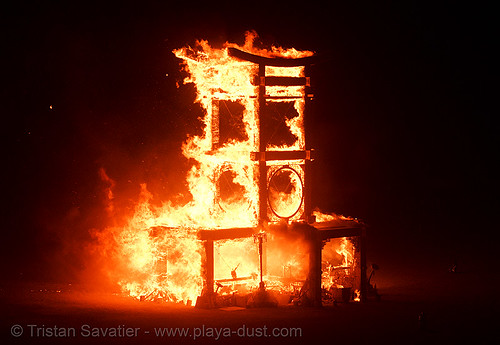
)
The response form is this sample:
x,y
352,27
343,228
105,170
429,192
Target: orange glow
x,y
161,256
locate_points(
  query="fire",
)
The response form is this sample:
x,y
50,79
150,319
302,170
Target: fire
x,y
161,253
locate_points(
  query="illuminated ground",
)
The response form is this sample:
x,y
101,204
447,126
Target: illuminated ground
x,y
457,308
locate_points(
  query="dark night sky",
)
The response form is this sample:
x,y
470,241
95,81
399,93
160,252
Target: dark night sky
x,y
403,120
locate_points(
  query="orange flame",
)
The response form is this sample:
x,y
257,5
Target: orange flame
x,y
160,253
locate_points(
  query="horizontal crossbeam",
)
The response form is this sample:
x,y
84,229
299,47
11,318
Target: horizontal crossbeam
x,y
277,62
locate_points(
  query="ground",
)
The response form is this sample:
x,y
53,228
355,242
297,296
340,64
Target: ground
x,y
417,307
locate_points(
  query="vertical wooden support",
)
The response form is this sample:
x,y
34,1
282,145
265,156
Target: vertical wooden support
x,y
264,258
261,284
315,267
363,283
307,166
215,124
262,148
209,272
307,192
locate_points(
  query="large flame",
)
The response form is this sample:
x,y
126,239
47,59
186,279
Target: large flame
x,y
159,250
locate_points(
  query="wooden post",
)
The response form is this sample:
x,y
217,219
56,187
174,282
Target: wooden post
x,y
215,124
264,258
363,283
315,267
209,272
307,166
261,284
262,148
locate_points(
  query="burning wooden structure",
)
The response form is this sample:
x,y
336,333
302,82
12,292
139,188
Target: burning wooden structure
x,y
283,170
250,229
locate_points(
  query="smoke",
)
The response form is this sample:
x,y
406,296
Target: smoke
x,y
80,171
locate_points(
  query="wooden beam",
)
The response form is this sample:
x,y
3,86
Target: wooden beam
x,y
308,180
285,81
315,269
263,219
363,283
291,98
340,232
209,273
281,155
278,61
225,234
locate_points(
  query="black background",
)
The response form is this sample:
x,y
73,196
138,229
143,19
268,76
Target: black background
x,y
403,118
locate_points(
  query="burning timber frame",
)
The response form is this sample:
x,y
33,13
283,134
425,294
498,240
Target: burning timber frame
x,y
315,233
